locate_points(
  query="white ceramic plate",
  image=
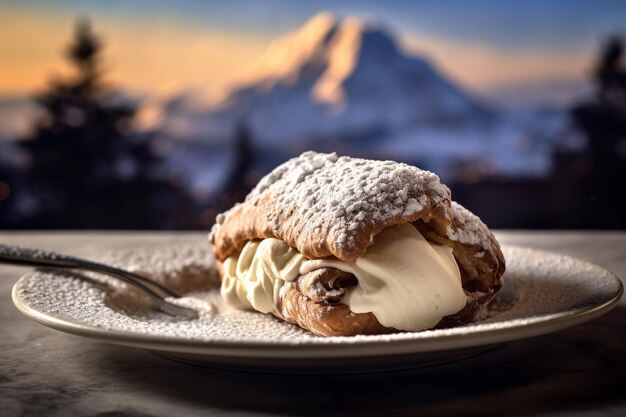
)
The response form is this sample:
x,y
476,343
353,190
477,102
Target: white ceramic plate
x,y
543,292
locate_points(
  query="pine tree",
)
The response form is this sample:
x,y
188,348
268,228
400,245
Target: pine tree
x,y
88,168
603,120
237,184
6,181
610,73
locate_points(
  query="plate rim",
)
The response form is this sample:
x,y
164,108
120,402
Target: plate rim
x,y
359,347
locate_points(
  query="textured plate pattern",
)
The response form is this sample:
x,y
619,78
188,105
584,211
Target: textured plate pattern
x,y
543,292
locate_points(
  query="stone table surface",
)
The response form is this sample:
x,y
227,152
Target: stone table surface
x,y
580,371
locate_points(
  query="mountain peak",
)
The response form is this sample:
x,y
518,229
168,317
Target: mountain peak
x,y
339,75
322,54
326,24
354,39
323,22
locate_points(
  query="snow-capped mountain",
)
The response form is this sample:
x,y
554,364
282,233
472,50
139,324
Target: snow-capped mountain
x,y
333,77
345,85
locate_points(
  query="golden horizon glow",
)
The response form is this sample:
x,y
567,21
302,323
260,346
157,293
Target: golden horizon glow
x,y
161,57
481,68
155,56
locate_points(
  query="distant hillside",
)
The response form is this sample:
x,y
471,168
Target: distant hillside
x,y
333,77
343,84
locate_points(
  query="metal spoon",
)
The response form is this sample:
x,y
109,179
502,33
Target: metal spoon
x,y
15,255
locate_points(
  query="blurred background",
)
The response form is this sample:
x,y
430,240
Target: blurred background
x,y
154,114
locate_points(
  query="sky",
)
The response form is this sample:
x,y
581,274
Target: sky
x,y
519,48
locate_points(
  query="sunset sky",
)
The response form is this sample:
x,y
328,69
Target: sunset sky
x,y
157,46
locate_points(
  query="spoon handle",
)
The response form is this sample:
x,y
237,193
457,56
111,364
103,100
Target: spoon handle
x,y
16,255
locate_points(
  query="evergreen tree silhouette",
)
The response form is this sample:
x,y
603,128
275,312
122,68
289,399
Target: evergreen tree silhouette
x,y
6,182
88,168
603,120
610,74
237,186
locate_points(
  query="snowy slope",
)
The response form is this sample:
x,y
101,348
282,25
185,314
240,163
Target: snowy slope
x,y
344,85
332,77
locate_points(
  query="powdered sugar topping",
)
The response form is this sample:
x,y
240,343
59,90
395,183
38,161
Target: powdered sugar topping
x,y
346,192
472,230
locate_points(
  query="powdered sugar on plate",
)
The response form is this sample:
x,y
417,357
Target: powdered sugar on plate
x,y
539,287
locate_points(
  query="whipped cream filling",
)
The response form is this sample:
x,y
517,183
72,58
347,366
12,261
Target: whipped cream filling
x,y
407,282
253,280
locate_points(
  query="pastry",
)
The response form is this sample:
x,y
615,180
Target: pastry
x,y
343,246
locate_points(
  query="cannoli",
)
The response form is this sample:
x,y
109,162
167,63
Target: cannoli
x,y
343,246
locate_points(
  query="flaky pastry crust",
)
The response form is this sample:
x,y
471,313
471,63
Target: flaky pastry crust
x,y
325,206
